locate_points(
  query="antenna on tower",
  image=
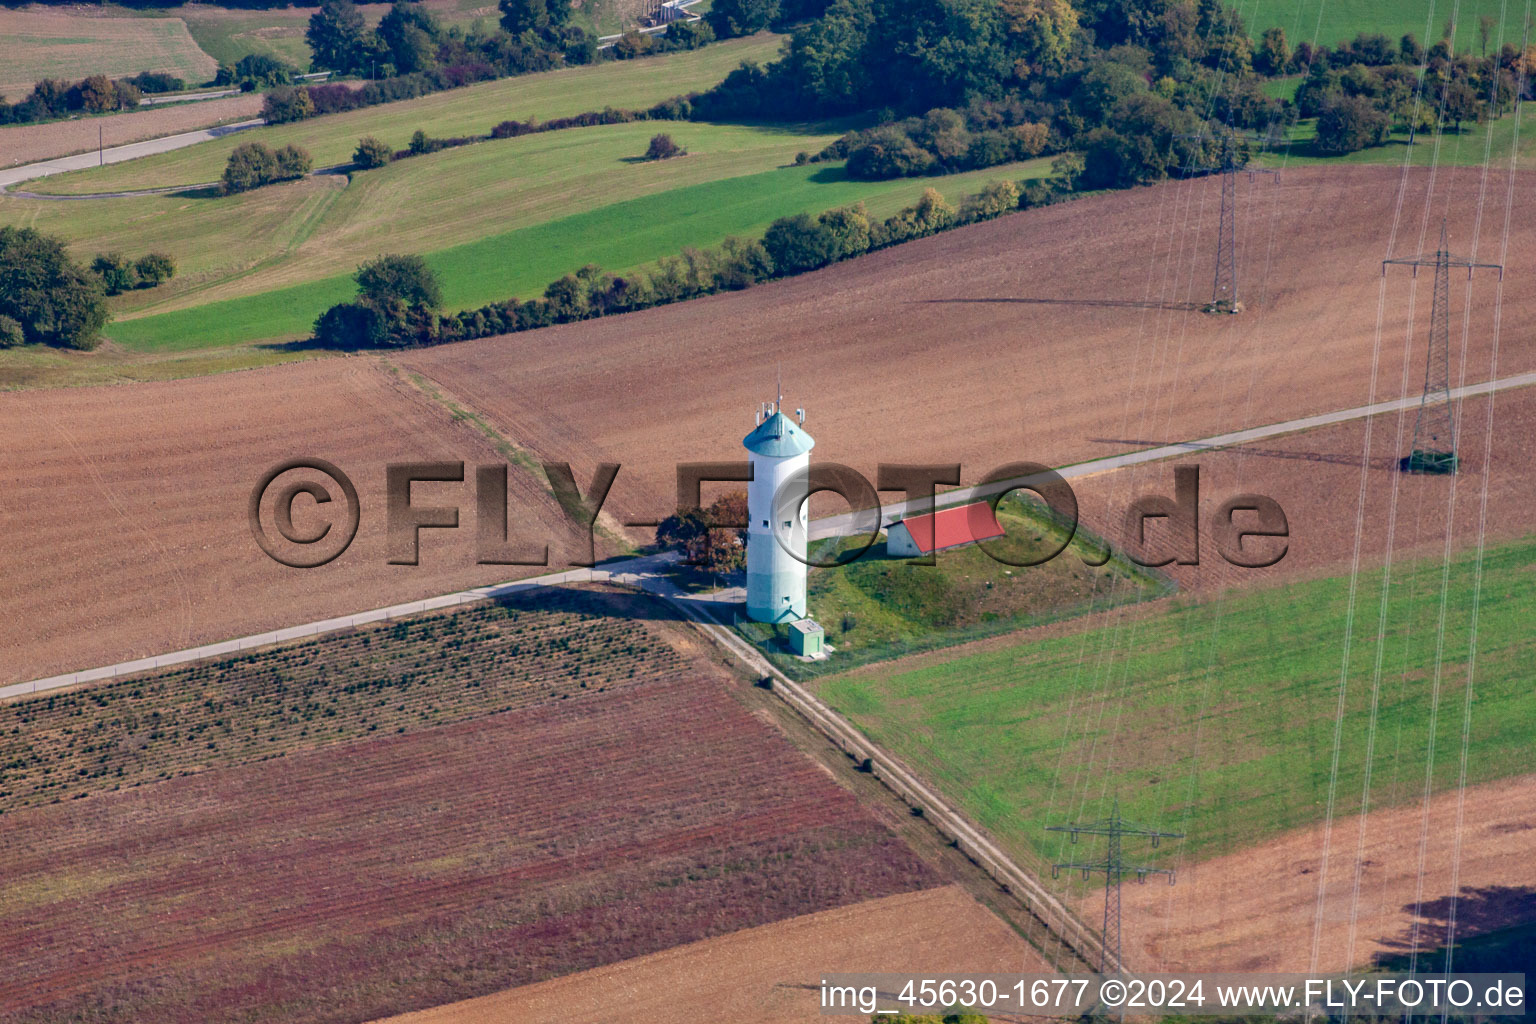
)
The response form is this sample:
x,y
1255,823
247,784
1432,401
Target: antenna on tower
x,y
780,404
801,413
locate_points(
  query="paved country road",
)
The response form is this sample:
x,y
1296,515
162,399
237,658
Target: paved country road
x,y
648,573
117,154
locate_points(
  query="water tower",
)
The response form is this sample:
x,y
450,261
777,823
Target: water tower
x,y
780,449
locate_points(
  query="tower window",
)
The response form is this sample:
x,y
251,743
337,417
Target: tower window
x,y
786,524
765,524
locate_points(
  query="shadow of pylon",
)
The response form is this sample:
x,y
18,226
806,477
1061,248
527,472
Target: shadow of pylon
x,y
1184,307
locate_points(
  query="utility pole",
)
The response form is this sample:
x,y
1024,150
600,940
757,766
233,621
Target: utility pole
x,y
1224,297
101,151
1114,828
1434,430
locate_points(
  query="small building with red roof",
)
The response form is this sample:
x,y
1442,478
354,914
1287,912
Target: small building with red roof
x,y
939,531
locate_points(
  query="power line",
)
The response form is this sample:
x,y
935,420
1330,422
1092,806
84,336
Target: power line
x,y
1115,828
1434,430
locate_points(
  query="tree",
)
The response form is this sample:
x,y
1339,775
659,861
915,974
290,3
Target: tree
x,y
372,152
115,271
410,32
519,16
41,288
1461,103
11,333
97,94
351,325
253,164
1349,123
663,147
994,200
338,37
712,538
799,243
1485,25
285,104
398,278
1040,33
1273,56
154,268
257,70
741,17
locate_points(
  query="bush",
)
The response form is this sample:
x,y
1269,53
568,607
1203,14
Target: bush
x,y
286,104
11,333
888,152
253,164
663,147
403,279
741,17
115,271
351,325
257,71
54,300
994,200
799,243
371,152
154,269
1349,123
157,81
630,45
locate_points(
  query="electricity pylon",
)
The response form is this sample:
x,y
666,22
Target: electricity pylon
x,y
1113,865
1224,287
1434,430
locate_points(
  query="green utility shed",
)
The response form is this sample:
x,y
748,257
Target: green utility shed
x,y
806,638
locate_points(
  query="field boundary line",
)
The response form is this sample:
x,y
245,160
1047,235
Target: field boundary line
x,y
969,839
820,529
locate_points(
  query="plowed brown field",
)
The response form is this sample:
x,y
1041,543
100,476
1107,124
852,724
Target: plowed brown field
x,y
770,974
1044,336
1057,335
1256,910
376,877
1316,476
25,143
123,524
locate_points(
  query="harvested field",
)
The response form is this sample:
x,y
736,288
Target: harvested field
x,y
1316,478
406,872
49,44
125,524
26,143
407,675
1217,918
1030,337
769,974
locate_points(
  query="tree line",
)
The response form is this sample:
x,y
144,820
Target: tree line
x,y
46,298
398,300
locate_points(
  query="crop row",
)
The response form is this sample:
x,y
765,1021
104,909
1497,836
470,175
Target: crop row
x,y
387,679
409,871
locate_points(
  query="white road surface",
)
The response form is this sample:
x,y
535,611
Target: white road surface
x,y
117,154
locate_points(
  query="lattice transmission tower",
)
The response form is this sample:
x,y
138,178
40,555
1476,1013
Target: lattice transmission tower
x,y
1224,295
1434,429
1114,828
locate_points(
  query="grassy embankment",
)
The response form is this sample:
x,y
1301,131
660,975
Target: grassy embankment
x,y
878,607
1216,717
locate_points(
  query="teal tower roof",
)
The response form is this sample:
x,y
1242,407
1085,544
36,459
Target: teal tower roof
x,y
779,437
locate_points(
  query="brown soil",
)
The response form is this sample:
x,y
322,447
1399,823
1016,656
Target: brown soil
x,y
1316,478
25,143
382,876
766,975
1257,910
1054,336
124,530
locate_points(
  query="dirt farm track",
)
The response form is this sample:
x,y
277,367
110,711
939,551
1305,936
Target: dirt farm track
x,y
1057,335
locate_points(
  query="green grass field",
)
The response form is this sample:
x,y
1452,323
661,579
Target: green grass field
x,y
1327,22
621,236
1216,717
880,607
1491,140
469,111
